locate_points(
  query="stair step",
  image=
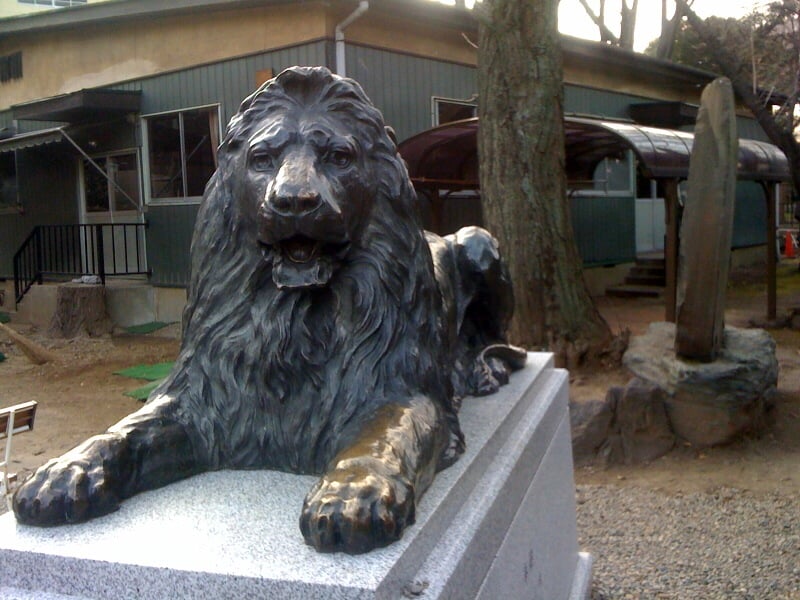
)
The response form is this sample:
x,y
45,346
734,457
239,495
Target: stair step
x,y
654,280
635,291
647,271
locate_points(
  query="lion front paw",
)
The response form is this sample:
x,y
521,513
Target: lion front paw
x,y
69,489
355,510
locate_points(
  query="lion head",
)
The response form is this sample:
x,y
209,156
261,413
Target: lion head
x,y
312,152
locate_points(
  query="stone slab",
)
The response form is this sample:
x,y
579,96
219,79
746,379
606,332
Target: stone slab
x,y
501,518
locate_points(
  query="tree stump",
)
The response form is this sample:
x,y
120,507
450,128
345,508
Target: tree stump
x,y
80,310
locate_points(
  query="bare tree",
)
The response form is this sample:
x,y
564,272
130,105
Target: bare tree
x,y
627,23
772,106
669,28
522,157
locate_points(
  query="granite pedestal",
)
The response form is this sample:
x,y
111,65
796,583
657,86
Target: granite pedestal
x,y
500,523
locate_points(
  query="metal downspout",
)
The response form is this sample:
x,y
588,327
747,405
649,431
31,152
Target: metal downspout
x,y
341,67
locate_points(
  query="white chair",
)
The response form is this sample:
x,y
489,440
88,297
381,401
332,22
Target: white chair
x,y
14,419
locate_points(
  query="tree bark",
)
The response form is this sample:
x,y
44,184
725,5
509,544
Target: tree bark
x,y
522,156
80,310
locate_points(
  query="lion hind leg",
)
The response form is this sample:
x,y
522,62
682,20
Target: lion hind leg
x,y
486,298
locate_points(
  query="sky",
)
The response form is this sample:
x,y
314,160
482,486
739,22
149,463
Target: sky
x,y
573,20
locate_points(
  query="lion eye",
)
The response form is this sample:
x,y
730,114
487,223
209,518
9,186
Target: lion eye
x,y
340,158
262,161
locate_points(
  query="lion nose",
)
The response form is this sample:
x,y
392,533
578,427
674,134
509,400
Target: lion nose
x,y
295,190
295,204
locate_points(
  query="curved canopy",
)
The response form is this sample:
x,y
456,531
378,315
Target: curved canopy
x,y
447,156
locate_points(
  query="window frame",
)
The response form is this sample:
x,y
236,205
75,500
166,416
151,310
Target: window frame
x,y
436,100
145,158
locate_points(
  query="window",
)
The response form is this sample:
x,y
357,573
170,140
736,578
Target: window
x,y
10,67
614,174
53,3
9,200
446,110
182,152
117,190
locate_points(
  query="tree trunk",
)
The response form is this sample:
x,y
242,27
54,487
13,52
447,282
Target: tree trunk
x,y
669,31
521,148
80,310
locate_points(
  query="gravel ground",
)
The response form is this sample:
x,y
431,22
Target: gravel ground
x,y
727,544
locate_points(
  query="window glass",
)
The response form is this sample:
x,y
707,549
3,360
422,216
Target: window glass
x,y
199,150
447,111
96,186
124,170
612,174
166,166
182,152
108,192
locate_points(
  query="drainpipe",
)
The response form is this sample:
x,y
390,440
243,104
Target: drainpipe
x,y
363,6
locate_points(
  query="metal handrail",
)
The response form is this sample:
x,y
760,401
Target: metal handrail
x,y
79,249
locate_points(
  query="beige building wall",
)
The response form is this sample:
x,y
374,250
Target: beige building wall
x,y
68,60
15,8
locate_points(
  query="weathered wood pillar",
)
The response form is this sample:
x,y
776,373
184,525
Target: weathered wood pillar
x,y
707,227
772,298
673,220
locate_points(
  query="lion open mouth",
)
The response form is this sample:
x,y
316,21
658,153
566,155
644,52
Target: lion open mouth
x,y
300,249
300,262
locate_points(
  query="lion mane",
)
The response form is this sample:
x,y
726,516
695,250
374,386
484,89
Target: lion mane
x,y
272,368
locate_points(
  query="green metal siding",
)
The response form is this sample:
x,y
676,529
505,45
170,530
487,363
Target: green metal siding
x,y
169,237
750,215
605,228
226,83
402,86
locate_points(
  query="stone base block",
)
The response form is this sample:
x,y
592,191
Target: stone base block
x,y
709,403
500,523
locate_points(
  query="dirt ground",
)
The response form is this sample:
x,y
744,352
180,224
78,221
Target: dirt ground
x,y
79,395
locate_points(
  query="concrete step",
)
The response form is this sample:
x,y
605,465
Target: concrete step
x,y
627,290
655,280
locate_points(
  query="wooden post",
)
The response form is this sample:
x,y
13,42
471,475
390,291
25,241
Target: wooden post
x,y
772,308
673,219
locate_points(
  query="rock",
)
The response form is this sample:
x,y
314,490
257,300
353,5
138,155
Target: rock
x,y
642,422
629,426
590,421
709,403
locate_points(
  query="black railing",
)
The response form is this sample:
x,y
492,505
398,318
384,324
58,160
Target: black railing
x,y
78,250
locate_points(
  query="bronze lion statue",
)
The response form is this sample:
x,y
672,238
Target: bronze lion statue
x,y
325,332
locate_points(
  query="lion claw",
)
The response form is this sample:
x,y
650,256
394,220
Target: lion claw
x,y
356,514
64,491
